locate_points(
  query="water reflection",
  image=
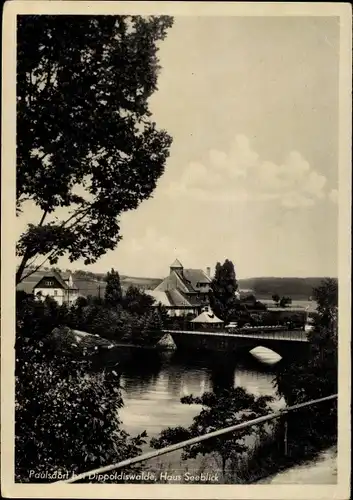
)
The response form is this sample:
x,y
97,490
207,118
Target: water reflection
x,y
154,383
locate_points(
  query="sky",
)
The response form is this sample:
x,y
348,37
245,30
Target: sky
x,y
252,106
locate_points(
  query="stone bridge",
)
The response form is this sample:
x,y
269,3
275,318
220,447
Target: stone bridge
x,y
283,342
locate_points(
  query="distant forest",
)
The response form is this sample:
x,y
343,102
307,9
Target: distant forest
x,y
263,287
296,288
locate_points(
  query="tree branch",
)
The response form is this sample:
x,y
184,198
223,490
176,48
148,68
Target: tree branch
x,y
77,212
54,250
27,255
51,254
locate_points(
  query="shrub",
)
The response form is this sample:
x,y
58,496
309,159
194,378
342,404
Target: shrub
x,y
66,415
220,409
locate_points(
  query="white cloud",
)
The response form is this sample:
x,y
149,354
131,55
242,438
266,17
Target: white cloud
x,y
239,175
152,244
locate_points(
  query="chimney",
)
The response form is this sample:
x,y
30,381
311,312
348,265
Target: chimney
x,y
208,271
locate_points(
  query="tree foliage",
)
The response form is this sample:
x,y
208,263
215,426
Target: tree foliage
x,y
220,409
223,287
136,301
153,326
315,375
85,138
281,301
113,293
66,413
131,318
285,301
276,298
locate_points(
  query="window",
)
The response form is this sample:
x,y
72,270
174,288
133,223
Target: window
x,y
50,283
55,292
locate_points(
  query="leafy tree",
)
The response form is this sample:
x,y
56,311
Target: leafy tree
x,y
105,323
85,138
315,375
326,297
72,423
250,299
77,312
136,301
163,313
95,301
133,327
285,301
276,298
152,331
223,287
113,293
34,318
220,409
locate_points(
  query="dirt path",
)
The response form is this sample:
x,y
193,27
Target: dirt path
x,y
322,470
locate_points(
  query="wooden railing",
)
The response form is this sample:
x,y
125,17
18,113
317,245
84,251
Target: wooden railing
x,y
195,440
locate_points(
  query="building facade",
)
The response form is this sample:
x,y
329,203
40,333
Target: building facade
x,y
183,291
59,287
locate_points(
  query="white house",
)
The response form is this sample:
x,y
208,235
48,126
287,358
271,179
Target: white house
x,y
52,284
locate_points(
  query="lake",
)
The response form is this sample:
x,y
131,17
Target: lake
x,y
153,383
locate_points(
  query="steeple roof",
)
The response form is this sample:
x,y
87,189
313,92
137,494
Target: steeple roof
x,y
176,264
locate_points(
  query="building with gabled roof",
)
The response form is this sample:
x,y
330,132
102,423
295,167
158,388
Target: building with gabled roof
x,y
184,290
59,286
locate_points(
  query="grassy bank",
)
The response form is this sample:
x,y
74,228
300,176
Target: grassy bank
x,y
265,458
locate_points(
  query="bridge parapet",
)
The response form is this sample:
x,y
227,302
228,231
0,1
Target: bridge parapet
x,y
279,334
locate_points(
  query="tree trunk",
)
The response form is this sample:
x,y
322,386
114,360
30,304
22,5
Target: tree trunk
x,y
27,255
21,268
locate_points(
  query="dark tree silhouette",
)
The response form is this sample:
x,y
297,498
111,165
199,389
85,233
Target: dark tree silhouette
x,y
221,409
315,375
113,293
85,137
223,287
276,298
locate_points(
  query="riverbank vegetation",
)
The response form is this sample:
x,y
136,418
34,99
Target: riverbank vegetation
x,y
57,378
220,409
308,431
129,317
66,412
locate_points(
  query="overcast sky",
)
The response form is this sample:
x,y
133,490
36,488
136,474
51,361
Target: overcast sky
x,y
252,106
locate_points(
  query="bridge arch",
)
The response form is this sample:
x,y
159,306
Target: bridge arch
x,y
286,350
265,355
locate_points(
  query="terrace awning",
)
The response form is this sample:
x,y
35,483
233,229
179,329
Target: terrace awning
x,y
206,317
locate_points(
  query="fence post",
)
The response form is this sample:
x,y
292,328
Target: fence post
x,y
285,436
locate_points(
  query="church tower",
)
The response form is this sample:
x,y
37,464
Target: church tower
x,y
176,266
